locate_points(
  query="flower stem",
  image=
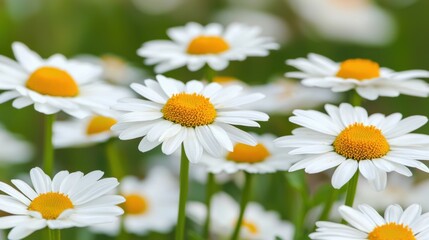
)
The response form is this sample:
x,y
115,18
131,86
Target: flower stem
x,y
351,190
210,189
54,234
184,186
48,149
115,161
209,74
244,200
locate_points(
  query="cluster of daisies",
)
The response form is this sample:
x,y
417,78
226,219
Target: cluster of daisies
x,y
198,121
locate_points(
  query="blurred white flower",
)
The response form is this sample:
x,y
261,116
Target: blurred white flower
x,y
13,149
151,204
282,96
270,24
355,21
261,158
115,69
258,224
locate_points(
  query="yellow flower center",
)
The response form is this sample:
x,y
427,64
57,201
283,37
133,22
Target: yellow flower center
x,y
250,226
207,45
53,82
99,124
391,231
51,204
135,204
360,69
361,142
244,153
189,110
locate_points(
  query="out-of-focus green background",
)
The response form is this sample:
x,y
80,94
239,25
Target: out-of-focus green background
x,y
119,27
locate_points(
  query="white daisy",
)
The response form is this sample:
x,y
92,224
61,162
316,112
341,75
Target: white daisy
x,y
350,139
200,117
261,158
365,76
151,204
354,21
366,223
52,85
283,95
194,45
68,200
257,222
13,149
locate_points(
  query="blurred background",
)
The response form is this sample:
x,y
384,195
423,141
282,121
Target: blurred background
x,y
394,33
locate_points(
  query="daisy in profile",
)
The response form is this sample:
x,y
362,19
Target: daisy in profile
x,y
52,85
261,158
366,223
83,132
365,76
194,46
13,149
151,204
68,200
257,224
199,117
350,140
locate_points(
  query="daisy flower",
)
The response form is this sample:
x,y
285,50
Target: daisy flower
x,y
257,224
365,76
194,45
52,85
200,117
366,223
68,200
83,132
350,139
151,204
13,149
261,158
354,21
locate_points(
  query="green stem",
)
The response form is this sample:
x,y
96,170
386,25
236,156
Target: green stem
x,y
244,200
209,74
210,189
351,190
115,161
184,186
48,149
54,234
123,234
356,99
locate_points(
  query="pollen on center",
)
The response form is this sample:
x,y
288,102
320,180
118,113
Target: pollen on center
x,y
361,142
207,45
53,82
51,204
189,110
391,231
244,153
135,204
360,69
